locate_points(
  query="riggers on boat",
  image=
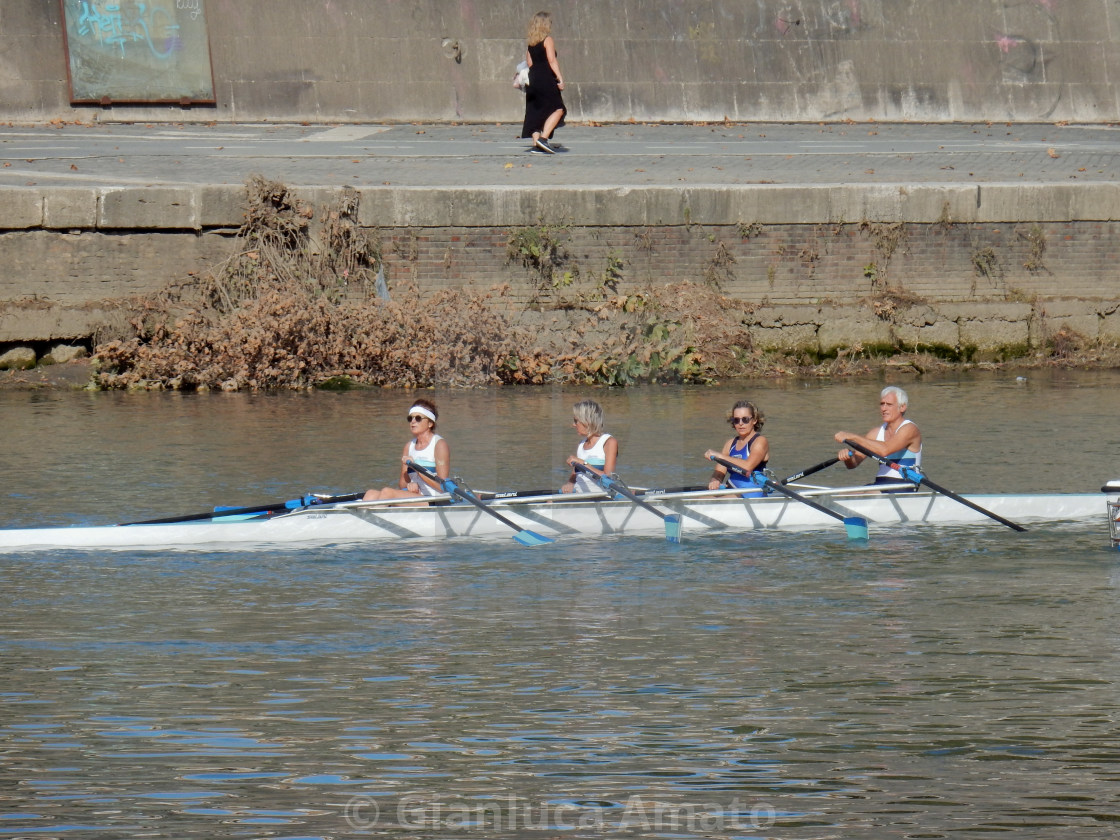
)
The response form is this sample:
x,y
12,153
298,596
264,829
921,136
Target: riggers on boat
x,y
559,517
1113,489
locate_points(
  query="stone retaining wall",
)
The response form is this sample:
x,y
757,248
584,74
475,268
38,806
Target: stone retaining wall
x,y
680,61
949,268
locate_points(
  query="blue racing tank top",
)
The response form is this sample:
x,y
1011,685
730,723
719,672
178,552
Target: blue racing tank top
x,y
736,480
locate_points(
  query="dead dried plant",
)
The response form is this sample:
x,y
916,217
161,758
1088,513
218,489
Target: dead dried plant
x,y
288,338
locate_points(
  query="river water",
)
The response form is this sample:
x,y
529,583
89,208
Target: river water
x,y
931,682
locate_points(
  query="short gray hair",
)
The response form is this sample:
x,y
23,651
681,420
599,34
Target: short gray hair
x,y
899,394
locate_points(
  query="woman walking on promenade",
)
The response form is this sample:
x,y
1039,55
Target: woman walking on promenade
x,y
544,105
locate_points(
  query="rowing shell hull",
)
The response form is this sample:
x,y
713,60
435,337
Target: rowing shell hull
x,y
353,524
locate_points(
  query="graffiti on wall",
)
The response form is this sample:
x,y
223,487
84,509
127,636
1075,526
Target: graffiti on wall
x,y
1009,54
139,51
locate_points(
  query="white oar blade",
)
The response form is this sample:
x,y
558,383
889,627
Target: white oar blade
x,y
856,526
673,527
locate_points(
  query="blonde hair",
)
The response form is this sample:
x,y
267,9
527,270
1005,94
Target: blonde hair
x,y
590,413
539,28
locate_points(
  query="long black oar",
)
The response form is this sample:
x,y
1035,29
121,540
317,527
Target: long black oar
x,y
275,507
855,526
911,474
810,470
672,520
523,536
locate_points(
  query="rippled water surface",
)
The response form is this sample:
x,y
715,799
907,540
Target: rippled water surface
x,y
933,682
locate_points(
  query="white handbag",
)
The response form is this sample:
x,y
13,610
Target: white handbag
x,y
521,77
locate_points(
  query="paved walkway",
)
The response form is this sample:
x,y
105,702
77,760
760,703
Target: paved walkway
x,y
606,156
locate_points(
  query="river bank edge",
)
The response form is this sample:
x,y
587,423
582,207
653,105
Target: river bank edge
x,y
81,374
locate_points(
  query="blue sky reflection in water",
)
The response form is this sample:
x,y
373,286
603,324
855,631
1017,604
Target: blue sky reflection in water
x,y
927,682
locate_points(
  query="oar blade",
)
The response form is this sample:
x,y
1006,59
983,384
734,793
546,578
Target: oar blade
x,y
531,538
856,526
673,528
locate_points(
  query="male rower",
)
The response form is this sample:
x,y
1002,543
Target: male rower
x,y
898,440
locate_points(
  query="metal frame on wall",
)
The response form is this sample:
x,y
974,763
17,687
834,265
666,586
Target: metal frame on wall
x,y
137,52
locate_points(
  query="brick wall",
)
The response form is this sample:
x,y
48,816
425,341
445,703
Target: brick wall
x,y
783,264
818,287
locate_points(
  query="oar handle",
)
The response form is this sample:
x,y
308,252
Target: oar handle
x,y
447,484
815,468
908,473
919,478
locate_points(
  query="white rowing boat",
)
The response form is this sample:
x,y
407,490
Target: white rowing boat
x,y
554,516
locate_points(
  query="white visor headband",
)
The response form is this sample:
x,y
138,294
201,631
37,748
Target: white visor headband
x,y
423,412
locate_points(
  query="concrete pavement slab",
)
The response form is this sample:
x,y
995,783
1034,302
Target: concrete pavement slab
x,y
491,156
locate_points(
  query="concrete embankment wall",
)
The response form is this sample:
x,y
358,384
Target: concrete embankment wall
x,y
956,267
687,60
967,271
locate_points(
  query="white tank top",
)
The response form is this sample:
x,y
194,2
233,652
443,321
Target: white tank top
x,y
903,456
425,457
595,456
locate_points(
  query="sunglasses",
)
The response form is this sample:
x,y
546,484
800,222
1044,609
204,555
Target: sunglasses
x,y
735,421
416,418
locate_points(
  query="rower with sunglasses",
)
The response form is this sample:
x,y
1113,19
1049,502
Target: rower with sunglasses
x,y
748,449
427,449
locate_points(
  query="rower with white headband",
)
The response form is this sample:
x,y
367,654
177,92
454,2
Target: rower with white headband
x,y
427,449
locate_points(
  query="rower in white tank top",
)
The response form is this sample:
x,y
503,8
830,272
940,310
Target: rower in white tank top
x,y
902,436
903,456
426,458
595,456
597,450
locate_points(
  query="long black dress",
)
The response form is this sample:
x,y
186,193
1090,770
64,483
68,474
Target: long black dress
x,y
543,97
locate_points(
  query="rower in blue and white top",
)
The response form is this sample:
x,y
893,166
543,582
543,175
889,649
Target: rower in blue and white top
x,y
427,449
748,449
598,450
897,439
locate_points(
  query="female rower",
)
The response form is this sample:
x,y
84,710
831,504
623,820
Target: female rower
x,y
598,450
427,449
748,449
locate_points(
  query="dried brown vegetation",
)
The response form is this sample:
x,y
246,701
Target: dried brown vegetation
x,y
294,308
287,338
297,305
